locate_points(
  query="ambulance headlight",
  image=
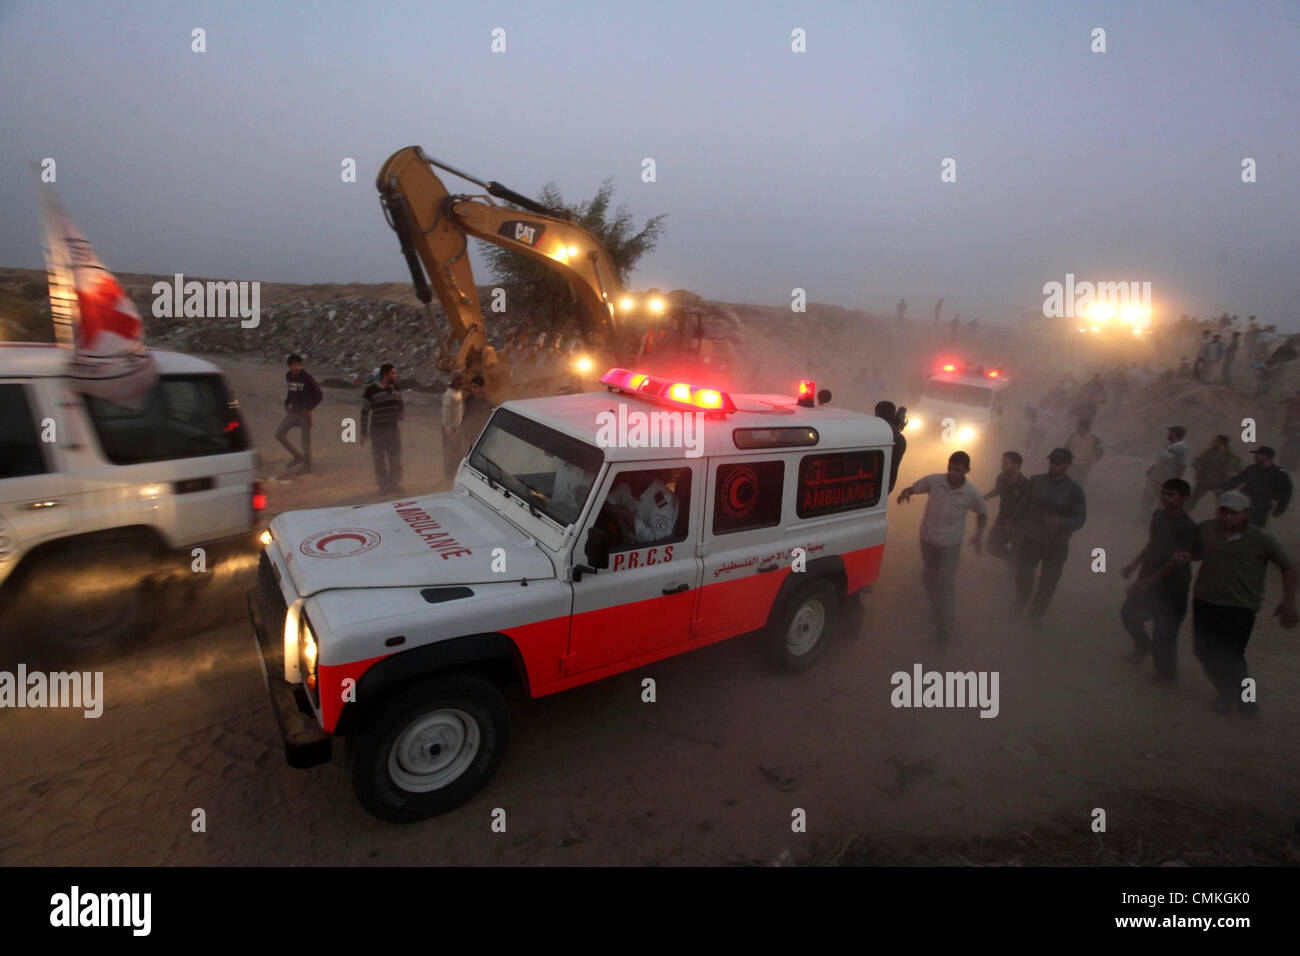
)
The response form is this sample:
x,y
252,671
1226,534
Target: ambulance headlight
x,y
307,655
965,434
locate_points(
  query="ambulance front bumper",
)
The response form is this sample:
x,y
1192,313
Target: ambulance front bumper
x,y
306,744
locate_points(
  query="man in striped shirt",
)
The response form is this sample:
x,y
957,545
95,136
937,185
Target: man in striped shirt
x,y
381,410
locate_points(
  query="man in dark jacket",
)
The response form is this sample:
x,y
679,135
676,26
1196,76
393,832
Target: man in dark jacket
x,y
1159,594
1011,487
302,396
381,410
1052,510
1266,485
887,411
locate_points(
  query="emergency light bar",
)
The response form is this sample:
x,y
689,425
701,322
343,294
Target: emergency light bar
x,y
676,394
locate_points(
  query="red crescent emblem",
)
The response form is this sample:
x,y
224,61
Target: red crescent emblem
x,y
317,545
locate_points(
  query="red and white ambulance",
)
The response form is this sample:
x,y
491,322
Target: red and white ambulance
x,y
585,535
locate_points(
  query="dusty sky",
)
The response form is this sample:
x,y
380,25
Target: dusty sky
x,y
777,170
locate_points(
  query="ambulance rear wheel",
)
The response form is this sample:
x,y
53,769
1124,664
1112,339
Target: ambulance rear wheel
x,y
799,634
431,749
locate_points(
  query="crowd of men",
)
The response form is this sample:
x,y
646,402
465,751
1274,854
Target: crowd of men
x,y
1038,515
465,411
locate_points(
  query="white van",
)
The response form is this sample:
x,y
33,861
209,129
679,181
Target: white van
x,y
964,406
90,491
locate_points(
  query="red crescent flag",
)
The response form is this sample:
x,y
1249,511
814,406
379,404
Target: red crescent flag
x,y
93,315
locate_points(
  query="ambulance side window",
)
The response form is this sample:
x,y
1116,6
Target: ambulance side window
x,y
748,496
648,507
839,481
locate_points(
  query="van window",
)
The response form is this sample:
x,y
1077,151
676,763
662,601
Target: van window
x,y
20,445
844,481
959,393
184,416
649,507
748,496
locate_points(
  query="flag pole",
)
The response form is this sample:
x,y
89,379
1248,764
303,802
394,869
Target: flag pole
x,y
58,265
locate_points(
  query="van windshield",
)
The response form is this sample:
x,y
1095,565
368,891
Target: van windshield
x,y
957,392
184,416
548,470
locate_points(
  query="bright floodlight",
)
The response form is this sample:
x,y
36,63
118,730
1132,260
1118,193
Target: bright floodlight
x,y
656,305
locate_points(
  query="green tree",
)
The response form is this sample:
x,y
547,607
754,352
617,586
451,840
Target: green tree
x,y
537,289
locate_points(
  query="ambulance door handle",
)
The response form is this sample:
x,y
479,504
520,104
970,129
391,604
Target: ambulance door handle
x,y
677,590
768,567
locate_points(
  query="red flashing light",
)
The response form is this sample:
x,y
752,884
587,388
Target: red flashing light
x,y
807,392
995,373
678,394
259,497
708,398
949,368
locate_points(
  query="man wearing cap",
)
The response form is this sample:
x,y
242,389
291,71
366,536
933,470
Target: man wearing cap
x,y
942,529
1229,591
1266,485
1170,463
1052,510
1159,594
453,414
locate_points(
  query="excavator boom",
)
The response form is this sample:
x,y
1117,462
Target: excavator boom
x,y
434,226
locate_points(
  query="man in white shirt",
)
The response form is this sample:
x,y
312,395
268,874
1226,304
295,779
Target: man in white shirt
x,y
942,530
453,413
1170,463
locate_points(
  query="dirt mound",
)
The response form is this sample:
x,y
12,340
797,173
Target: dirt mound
x,y
1204,410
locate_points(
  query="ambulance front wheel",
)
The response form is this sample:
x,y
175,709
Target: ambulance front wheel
x,y
799,634
431,749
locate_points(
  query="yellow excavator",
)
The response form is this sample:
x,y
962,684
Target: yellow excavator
x,y
433,227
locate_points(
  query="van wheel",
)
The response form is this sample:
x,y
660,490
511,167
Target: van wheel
x,y
798,635
431,749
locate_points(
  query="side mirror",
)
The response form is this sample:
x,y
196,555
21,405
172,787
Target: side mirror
x,y
597,548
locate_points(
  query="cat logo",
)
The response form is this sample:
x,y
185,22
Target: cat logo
x,y
522,230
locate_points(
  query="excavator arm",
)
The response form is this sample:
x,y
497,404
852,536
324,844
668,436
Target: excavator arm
x,y
434,226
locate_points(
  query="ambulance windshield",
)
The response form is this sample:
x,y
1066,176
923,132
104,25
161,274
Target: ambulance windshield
x,y
942,391
546,469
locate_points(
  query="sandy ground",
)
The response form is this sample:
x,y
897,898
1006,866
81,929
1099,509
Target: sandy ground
x,y
714,771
